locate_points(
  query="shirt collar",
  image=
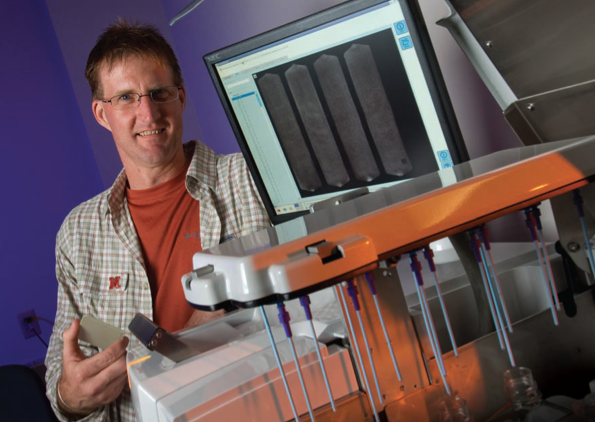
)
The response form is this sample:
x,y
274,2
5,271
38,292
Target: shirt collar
x,y
203,167
116,196
202,171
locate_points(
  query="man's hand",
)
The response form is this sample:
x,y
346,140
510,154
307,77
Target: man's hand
x,y
87,384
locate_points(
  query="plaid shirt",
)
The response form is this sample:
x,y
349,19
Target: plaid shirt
x,y
99,263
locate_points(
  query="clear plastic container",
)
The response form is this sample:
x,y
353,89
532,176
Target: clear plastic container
x,y
454,409
524,401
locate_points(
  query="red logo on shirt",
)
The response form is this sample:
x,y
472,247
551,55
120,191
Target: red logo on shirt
x,y
114,283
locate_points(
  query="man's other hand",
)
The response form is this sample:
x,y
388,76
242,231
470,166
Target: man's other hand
x,y
88,383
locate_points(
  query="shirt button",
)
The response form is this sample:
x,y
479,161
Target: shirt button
x,y
146,286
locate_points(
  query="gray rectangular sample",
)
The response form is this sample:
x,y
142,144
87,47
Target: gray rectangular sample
x,y
288,130
377,109
347,121
317,126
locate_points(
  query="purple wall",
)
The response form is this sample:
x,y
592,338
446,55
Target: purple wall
x,y
46,168
216,24
77,25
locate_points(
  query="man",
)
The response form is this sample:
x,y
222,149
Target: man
x,y
125,250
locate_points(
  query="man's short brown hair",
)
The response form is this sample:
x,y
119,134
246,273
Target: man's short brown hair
x,y
124,39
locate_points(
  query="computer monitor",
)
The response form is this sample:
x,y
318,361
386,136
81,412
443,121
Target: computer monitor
x,y
347,98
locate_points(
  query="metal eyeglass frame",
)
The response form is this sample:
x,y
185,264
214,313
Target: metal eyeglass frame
x,y
150,95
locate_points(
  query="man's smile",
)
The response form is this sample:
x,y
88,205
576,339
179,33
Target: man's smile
x,y
150,132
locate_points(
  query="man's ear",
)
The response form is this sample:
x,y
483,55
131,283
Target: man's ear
x,y
183,97
99,113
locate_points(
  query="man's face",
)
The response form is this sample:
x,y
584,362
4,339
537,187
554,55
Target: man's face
x,y
148,136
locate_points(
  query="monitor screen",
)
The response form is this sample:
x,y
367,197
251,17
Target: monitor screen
x,y
350,97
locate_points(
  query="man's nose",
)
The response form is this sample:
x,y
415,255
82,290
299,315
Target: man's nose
x,y
147,106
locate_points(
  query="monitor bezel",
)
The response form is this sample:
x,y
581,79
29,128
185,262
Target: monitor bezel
x,y
424,49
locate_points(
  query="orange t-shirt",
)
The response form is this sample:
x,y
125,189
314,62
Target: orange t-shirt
x,y
167,222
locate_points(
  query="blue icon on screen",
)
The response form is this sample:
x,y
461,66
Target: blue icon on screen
x,y
401,27
406,42
447,165
444,156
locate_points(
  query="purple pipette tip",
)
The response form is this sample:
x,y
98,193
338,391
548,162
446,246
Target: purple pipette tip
x,y
429,255
537,215
284,318
475,247
578,201
485,237
416,268
305,302
370,279
530,222
352,292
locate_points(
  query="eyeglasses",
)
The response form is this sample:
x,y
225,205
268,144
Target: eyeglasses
x,y
165,94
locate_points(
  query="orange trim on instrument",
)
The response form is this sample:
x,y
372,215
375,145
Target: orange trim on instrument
x,y
134,362
449,209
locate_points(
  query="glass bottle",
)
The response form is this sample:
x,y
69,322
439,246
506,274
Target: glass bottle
x,y
584,409
524,400
454,409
